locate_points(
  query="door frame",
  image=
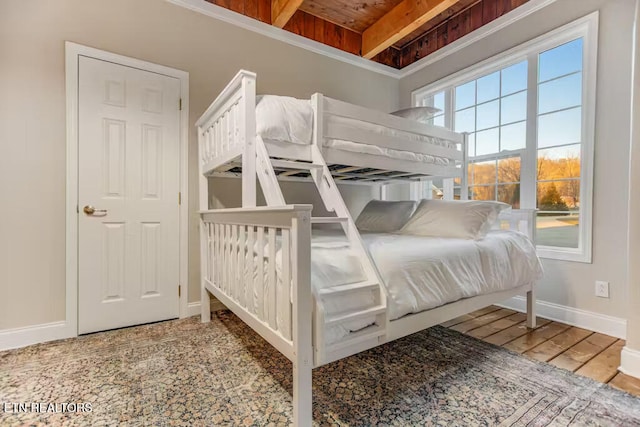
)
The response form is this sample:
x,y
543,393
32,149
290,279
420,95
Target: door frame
x,y
73,52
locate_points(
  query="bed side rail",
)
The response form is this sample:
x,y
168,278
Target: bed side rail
x,y
327,107
522,220
245,252
228,126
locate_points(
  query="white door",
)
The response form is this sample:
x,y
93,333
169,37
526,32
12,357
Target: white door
x,y
129,177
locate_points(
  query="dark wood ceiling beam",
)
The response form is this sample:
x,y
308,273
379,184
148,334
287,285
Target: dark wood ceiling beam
x,y
283,10
399,22
462,23
325,32
390,56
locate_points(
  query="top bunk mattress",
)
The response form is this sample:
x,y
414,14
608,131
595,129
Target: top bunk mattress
x,y
290,120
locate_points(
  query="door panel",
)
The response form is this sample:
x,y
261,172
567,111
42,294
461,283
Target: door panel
x,y
129,167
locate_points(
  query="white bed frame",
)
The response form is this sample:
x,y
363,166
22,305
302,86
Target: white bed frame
x,y
290,317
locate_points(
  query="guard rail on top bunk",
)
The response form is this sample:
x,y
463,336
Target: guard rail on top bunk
x,y
227,130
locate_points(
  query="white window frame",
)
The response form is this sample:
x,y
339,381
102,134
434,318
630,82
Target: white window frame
x,y
587,29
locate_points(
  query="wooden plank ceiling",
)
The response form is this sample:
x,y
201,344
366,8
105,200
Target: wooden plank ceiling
x,y
392,32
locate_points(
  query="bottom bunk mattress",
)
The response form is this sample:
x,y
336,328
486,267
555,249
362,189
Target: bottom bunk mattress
x,y
419,273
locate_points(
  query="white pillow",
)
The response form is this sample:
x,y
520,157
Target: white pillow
x,y
283,118
469,219
384,216
419,114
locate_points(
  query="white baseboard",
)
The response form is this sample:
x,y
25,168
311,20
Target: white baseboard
x,y
193,309
29,335
22,337
630,362
608,325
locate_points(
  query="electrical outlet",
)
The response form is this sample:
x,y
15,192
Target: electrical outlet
x,y
602,289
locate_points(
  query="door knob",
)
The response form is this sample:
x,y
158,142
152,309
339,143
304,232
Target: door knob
x,y
90,210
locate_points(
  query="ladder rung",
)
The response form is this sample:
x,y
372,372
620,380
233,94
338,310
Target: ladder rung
x,y
289,164
348,288
368,333
346,316
328,219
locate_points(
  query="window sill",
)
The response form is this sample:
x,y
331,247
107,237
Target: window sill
x,y
564,254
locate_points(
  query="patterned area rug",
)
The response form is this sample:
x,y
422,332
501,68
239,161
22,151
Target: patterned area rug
x,y
186,373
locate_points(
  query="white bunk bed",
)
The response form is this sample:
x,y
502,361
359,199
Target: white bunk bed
x,y
257,260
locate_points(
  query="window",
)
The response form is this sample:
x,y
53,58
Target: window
x,y
496,180
529,115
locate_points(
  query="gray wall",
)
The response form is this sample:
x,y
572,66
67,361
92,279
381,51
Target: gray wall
x,y
633,303
227,193
570,283
32,117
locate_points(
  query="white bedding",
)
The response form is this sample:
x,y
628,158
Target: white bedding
x,y
420,273
286,119
283,118
426,272
383,130
376,150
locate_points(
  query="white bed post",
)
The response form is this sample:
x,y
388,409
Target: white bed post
x,y
203,188
302,308
447,189
248,111
531,307
448,184
464,178
318,125
531,230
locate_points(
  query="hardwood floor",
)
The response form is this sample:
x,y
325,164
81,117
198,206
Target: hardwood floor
x,y
584,352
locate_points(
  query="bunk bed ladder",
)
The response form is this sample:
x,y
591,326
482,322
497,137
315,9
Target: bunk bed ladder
x,y
333,202
267,176
369,336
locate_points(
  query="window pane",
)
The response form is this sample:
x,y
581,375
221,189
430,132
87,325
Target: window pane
x,y
514,78
559,162
509,194
466,120
559,229
487,142
513,108
560,94
483,192
484,172
558,215
438,101
465,95
488,115
513,137
509,170
563,127
489,87
564,59
559,195
438,120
